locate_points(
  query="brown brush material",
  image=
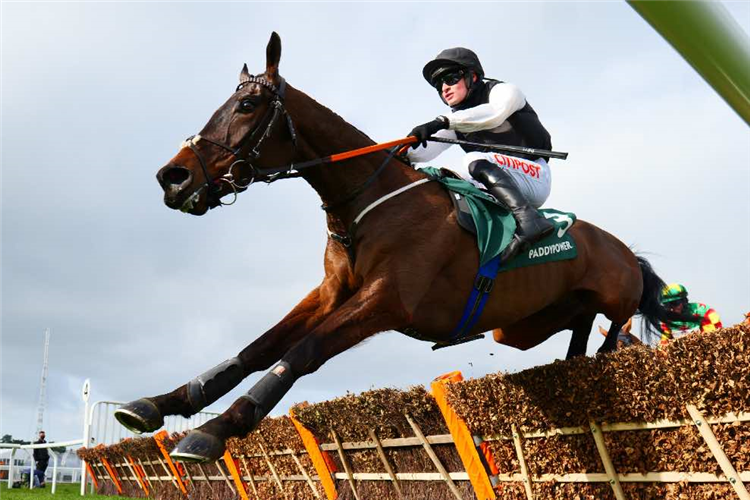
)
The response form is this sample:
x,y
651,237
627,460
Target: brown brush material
x,y
636,385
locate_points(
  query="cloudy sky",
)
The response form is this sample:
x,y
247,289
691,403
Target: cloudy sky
x,y
96,97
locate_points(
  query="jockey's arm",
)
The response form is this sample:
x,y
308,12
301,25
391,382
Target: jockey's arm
x,y
424,154
504,100
710,320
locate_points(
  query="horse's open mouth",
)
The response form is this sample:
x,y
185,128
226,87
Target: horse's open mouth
x,y
186,203
191,201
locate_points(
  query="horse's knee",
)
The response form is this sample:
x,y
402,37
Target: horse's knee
x,y
498,335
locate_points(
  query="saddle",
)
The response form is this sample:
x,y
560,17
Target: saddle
x,y
479,213
461,206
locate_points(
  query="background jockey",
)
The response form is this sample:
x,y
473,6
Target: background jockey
x,y
490,112
675,297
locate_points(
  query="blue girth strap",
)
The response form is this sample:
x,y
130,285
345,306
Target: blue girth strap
x,y
480,292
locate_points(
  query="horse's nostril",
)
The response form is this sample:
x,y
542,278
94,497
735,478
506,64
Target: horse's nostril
x,y
175,176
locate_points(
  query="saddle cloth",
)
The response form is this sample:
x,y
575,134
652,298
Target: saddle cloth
x,y
481,214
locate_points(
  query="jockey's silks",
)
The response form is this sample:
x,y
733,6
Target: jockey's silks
x,y
521,128
708,321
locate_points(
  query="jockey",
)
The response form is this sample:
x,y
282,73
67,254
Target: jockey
x,y
490,112
674,297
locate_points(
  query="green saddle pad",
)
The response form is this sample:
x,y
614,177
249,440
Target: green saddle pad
x,y
495,226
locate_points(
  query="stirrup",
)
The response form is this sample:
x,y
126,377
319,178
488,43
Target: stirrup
x,y
463,340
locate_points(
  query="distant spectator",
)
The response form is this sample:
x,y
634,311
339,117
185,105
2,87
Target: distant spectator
x,y
624,337
41,457
675,297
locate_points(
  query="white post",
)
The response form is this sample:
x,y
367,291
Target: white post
x,y
54,469
32,469
85,392
10,467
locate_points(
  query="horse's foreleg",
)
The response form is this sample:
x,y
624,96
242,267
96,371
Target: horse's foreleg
x,y
147,414
359,318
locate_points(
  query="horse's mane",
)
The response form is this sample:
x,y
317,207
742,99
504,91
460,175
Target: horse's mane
x,y
343,122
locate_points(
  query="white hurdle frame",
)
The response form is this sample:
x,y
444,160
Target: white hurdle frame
x,y
96,428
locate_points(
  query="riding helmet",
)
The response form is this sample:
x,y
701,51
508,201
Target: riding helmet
x,y
673,292
449,59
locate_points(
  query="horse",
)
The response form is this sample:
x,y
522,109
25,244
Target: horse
x,y
405,266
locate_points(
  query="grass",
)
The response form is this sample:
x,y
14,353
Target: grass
x,y
62,492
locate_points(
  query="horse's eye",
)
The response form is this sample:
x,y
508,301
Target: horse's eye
x,y
247,105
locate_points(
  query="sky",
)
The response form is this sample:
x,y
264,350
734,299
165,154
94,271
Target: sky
x,y
96,97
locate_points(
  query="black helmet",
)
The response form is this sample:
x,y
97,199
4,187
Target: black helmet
x,y
451,59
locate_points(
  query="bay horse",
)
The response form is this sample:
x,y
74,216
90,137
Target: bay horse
x,y
408,267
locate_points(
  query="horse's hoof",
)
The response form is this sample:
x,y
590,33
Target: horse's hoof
x,y
198,446
140,416
606,349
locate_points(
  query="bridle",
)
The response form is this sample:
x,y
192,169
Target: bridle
x,y
247,151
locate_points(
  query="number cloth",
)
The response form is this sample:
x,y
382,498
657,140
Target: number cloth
x,y
495,226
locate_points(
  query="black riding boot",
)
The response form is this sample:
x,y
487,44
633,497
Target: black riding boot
x,y
531,226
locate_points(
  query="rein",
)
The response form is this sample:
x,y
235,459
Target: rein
x,y
246,154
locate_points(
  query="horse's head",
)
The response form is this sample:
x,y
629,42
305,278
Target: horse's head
x,y
250,130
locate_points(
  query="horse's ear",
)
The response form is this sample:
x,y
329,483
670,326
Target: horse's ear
x,y
273,54
244,74
628,326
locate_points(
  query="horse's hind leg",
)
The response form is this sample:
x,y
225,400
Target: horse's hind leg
x,y
610,343
360,317
147,414
580,338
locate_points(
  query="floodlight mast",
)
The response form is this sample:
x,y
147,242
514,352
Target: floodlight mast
x,y
43,386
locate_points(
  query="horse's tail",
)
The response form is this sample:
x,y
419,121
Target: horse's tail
x,y
651,308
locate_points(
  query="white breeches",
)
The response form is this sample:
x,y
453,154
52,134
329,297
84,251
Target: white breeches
x,y
533,178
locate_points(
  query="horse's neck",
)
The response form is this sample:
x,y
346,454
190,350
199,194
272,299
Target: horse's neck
x,y
322,133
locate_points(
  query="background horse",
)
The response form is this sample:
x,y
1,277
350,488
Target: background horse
x,y
408,266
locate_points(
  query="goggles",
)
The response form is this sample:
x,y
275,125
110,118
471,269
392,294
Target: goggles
x,y
676,303
449,78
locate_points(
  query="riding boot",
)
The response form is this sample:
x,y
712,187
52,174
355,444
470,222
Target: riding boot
x,y
531,226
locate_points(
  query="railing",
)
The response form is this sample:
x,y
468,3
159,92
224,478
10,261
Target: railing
x,y
104,429
99,427
65,475
27,447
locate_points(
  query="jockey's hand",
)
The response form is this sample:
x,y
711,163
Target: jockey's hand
x,y
422,132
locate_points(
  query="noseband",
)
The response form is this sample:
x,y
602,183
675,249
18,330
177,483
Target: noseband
x,y
248,150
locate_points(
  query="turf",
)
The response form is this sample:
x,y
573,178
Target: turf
x,y
62,492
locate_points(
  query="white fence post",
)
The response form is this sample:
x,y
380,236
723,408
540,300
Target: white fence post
x,y
10,467
31,469
85,393
54,470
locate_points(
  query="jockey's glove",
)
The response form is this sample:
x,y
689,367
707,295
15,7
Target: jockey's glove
x,y
422,132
